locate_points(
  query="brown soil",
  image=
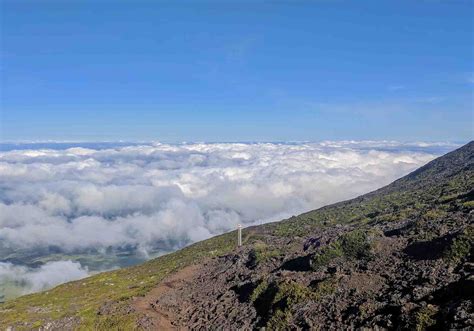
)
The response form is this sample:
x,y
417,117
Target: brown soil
x,y
156,316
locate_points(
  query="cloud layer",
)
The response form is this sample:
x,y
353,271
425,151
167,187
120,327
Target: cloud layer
x,y
44,277
166,196
152,198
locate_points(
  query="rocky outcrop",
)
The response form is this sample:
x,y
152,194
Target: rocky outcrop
x,y
399,258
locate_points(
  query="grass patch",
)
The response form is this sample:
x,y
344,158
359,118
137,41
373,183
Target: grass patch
x,y
325,287
259,290
290,228
261,253
274,301
468,204
279,320
83,298
425,317
461,246
355,245
434,214
329,253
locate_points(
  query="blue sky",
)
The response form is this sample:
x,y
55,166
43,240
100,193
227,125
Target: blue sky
x,y
236,71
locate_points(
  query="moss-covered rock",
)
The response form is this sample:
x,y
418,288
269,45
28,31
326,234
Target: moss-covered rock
x,y
425,317
461,246
355,245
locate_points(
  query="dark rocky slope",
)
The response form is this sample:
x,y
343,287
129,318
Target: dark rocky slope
x,y
397,258
400,257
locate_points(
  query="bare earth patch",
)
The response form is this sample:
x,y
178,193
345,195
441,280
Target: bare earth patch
x,y
157,316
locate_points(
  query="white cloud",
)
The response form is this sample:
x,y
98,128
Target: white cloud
x,y
42,278
166,196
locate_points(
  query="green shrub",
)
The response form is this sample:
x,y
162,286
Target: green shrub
x,y
468,204
259,290
279,320
355,245
37,324
273,301
434,214
325,287
264,252
326,255
292,293
425,317
461,246
293,227
448,198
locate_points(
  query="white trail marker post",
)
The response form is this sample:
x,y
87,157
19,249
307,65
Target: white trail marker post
x,y
239,235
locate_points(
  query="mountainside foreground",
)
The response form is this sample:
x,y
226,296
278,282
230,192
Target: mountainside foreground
x,y
399,257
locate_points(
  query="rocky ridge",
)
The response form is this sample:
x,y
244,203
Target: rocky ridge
x,y
398,258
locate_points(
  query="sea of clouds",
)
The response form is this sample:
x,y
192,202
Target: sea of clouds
x,y
162,196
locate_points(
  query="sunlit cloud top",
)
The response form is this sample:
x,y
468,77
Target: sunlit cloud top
x,y
161,196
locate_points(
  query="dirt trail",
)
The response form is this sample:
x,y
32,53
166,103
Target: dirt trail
x,y
159,318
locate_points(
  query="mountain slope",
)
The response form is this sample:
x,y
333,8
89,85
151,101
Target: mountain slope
x,y
397,257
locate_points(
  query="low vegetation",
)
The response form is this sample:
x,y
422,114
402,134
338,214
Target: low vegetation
x,y
274,301
461,246
328,254
425,317
83,299
355,245
261,253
